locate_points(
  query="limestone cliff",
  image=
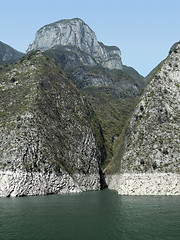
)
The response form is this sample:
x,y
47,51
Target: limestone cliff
x,y
151,157
48,132
75,33
152,140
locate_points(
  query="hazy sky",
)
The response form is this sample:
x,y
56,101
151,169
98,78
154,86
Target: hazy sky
x,y
144,30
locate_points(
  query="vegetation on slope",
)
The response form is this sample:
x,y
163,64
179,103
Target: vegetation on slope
x,y
8,54
113,94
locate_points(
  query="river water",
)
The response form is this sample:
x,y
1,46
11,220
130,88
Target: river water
x,y
99,215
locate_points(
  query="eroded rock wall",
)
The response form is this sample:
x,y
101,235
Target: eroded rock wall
x,y
22,183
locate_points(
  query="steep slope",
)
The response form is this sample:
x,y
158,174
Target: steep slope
x,y
8,54
48,132
74,32
150,163
113,95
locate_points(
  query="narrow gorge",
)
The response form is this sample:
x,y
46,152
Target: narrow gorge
x,y
73,118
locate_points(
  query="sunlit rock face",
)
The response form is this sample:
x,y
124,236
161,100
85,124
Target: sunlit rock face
x,y
150,162
153,137
76,33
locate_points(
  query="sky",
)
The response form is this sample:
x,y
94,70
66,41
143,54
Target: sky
x,y
144,30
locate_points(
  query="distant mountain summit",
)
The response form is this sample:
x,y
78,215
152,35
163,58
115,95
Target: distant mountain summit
x,y
76,33
8,54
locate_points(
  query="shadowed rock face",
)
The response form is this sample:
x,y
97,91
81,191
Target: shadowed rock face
x,y
47,142
152,141
75,33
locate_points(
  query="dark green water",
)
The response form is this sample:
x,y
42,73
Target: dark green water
x,y
101,215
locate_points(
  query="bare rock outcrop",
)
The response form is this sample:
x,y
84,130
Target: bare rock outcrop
x,y
75,33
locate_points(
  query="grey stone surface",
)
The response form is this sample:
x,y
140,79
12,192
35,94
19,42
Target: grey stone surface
x,y
145,183
21,183
152,141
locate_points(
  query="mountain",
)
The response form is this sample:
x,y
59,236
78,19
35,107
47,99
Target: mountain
x,y
112,89
51,140
84,74
73,110
148,151
58,135
8,54
76,33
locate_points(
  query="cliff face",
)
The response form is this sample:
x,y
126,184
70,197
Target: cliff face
x,y
8,54
47,141
151,147
75,33
152,141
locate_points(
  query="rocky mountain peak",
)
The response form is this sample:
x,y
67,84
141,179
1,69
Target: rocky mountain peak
x,y
175,48
75,32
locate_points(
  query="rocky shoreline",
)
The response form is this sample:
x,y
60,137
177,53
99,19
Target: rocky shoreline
x,y
21,183
145,183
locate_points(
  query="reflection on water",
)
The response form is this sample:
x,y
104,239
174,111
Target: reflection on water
x,y
90,216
